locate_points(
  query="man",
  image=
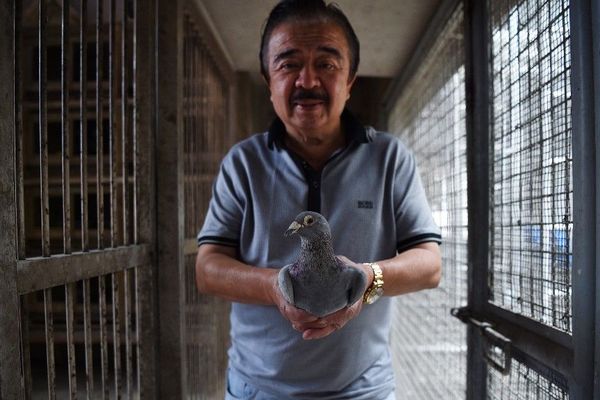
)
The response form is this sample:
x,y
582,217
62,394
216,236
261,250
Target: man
x,y
317,157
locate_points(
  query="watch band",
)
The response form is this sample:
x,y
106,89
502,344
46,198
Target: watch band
x,y
375,291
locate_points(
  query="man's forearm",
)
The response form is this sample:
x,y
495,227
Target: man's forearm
x,y
415,269
218,272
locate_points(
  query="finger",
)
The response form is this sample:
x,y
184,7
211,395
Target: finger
x,y
319,324
297,315
312,334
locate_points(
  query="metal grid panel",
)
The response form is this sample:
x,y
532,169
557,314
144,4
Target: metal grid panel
x,y
430,119
83,338
78,190
523,383
75,167
531,179
205,111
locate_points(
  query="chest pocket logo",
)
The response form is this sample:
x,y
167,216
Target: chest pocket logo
x,y
366,204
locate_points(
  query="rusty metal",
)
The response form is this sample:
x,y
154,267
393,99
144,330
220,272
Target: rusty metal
x,y
10,379
103,311
83,125
66,136
50,363
18,107
25,348
111,121
87,330
43,128
116,319
125,120
128,333
99,125
70,290
40,273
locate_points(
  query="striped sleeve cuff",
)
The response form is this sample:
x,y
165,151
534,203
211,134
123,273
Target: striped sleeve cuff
x,y
218,240
425,237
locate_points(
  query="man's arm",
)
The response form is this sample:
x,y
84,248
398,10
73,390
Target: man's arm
x,y
417,268
220,273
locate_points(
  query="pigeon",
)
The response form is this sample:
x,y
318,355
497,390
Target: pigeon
x,y
318,281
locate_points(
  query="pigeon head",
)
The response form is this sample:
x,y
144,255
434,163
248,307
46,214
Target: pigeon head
x,y
309,225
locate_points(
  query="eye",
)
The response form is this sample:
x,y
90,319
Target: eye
x,y
309,220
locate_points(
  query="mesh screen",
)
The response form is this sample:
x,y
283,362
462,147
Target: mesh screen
x,y
429,117
522,383
205,105
531,160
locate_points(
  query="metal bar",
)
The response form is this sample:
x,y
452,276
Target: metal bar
x,y
40,273
145,126
50,364
18,106
536,328
585,198
116,333
25,348
595,16
99,124
10,377
103,336
43,128
169,140
125,124
128,334
70,290
111,113
66,151
87,330
83,125
477,98
134,127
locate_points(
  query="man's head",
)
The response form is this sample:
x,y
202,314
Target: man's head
x,y
309,57
308,11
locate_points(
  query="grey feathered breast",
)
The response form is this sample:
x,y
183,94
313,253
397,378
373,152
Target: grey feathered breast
x,y
318,281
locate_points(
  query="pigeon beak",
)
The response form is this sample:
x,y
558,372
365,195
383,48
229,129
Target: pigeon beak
x,y
293,228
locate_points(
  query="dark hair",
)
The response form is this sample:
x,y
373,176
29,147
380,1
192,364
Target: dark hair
x,y
298,10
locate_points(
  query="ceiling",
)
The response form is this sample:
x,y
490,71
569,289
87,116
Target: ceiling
x,y
388,30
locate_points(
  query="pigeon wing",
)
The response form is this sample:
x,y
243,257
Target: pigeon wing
x,y
357,282
285,284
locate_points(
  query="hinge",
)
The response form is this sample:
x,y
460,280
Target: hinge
x,y
497,346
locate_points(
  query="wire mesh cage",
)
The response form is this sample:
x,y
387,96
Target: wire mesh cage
x,y
429,117
531,160
206,140
78,196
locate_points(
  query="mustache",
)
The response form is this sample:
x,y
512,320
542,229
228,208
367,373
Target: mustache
x,y
304,94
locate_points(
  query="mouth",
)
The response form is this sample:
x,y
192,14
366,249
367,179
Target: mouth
x,y
293,228
308,105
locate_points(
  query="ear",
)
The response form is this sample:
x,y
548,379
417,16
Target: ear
x,y
351,81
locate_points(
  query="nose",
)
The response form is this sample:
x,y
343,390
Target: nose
x,y
307,78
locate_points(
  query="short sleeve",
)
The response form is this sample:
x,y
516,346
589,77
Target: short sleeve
x,y
225,211
414,221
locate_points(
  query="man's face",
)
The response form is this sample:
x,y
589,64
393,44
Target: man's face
x,y
309,77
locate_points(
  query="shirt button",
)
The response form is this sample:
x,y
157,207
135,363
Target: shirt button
x,y
316,184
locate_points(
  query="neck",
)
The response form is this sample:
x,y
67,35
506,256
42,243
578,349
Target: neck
x,y
321,246
315,150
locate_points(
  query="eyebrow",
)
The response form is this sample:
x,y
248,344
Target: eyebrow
x,y
290,52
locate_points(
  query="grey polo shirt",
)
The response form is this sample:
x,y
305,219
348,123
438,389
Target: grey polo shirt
x,y
372,196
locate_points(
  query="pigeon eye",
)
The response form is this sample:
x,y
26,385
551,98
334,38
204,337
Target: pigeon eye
x,y
308,220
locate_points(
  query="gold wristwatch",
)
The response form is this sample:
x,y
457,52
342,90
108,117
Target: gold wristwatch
x,y
375,291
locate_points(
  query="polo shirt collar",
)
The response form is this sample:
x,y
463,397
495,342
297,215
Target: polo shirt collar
x,y
353,129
